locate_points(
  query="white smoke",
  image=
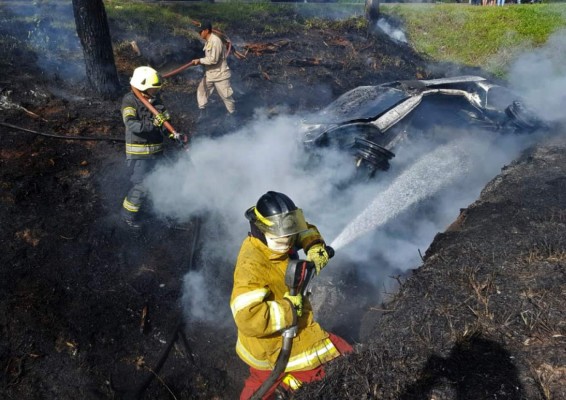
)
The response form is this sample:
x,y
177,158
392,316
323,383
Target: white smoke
x,y
419,197
196,297
540,76
59,53
226,175
421,180
394,33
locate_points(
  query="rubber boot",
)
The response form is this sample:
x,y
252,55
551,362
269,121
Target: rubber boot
x,y
131,221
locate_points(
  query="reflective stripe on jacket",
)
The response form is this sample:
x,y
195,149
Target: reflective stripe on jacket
x,y
261,313
143,139
215,66
141,149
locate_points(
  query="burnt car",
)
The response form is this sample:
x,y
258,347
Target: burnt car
x,y
371,121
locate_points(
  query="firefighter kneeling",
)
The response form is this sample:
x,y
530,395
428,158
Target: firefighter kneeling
x,y
262,306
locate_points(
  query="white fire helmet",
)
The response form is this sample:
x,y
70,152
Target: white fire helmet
x,y
145,78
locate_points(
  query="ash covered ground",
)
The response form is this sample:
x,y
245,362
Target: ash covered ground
x,y
87,310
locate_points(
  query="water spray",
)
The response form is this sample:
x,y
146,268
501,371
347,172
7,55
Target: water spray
x,y
421,180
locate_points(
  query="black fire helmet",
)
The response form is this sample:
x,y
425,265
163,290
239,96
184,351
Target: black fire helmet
x,y
277,214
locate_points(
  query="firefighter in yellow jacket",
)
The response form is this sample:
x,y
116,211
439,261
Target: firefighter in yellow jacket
x,y
262,306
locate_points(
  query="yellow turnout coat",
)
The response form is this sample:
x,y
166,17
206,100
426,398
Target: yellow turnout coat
x,y
261,313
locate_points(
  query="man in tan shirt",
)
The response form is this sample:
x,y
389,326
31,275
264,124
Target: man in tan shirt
x,y
217,73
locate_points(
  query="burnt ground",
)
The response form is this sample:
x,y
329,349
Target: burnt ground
x,y
483,317
87,310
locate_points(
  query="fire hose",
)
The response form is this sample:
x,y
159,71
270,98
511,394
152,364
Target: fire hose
x,y
155,112
298,278
135,392
225,39
138,94
176,71
64,137
227,42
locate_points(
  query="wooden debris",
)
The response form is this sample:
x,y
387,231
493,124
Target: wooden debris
x,y
261,48
306,62
144,320
135,47
32,114
314,62
13,370
139,362
72,347
263,73
340,42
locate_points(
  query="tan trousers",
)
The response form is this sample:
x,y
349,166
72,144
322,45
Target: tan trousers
x,y
205,89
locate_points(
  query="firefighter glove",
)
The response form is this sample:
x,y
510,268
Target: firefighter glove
x,y
297,302
160,118
319,256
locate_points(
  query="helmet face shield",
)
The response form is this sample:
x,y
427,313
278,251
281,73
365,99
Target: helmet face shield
x,y
279,225
279,244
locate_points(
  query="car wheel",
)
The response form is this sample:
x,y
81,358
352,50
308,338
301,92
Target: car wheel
x,y
375,155
361,140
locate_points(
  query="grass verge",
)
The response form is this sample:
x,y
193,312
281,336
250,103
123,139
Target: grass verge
x,y
487,37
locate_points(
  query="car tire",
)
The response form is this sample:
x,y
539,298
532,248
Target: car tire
x,y
377,156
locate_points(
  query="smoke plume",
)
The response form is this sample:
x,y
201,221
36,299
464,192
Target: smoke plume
x,y
540,76
379,226
52,36
224,176
393,32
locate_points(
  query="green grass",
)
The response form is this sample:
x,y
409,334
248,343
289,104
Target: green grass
x,y
260,17
146,16
488,37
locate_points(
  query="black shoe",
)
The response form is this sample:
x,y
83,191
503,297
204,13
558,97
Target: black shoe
x,y
231,120
132,223
281,394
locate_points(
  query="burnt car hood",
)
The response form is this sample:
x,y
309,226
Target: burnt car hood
x,y
366,103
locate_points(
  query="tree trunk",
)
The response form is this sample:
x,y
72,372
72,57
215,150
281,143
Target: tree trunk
x,y
372,11
94,34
